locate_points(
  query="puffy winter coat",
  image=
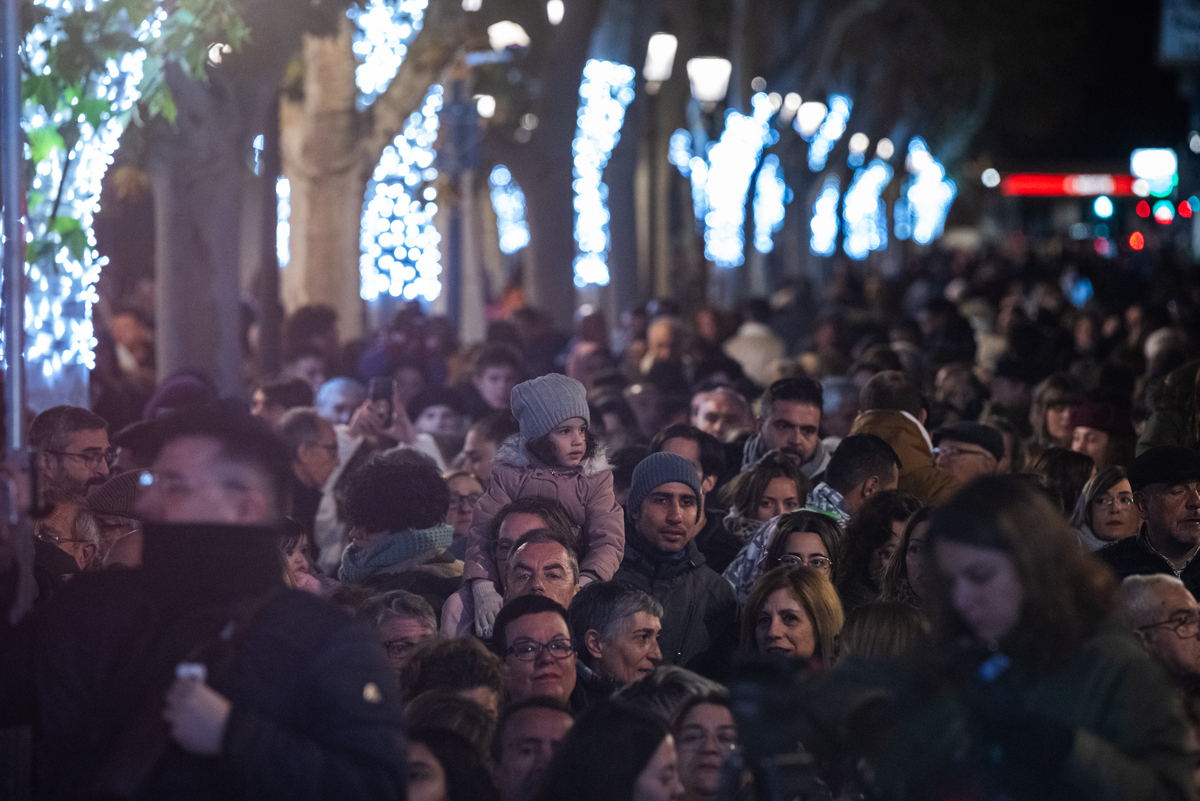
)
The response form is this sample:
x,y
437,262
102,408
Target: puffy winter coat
x,y
910,442
586,492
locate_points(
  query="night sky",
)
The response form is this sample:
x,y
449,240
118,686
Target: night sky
x,y
1121,98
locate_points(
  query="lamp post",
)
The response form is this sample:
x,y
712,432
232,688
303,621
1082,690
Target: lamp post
x,y
660,63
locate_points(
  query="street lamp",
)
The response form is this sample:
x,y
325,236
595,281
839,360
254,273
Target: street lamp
x,y
505,34
709,79
555,11
660,60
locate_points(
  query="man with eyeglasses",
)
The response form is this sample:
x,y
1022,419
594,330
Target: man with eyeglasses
x,y
1166,490
73,449
1166,619
968,450
532,636
71,528
199,674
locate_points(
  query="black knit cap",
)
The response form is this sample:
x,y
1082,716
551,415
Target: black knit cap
x,y
986,437
1166,464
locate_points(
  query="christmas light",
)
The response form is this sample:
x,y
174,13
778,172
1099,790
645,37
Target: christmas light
x,y
731,163
864,212
604,94
824,224
770,195
508,201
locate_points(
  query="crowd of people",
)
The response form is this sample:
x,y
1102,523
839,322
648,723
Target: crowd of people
x,y
936,540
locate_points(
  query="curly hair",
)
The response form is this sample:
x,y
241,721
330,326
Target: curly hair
x,y
396,490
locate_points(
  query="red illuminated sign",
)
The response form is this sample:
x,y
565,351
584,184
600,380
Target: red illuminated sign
x,y
1025,184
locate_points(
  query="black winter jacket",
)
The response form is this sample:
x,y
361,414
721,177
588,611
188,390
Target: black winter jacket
x,y
699,622
315,709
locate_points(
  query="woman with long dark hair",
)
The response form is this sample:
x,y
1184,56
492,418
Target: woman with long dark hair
x,y
614,753
1046,693
872,536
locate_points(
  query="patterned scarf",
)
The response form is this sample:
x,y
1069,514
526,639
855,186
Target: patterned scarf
x,y
399,551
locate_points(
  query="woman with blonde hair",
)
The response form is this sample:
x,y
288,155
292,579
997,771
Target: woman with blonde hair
x,y
793,612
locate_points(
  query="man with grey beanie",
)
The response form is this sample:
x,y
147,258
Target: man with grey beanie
x,y
699,621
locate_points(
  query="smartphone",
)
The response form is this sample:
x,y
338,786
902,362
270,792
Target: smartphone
x,y
379,393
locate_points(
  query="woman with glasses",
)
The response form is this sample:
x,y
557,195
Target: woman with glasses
x,y
793,612
465,492
807,538
705,737
1105,511
1047,692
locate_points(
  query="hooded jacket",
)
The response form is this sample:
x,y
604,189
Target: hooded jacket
x,y
699,622
314,707
586,492
911,443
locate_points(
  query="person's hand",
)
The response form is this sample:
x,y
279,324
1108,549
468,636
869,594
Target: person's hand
x,y
487,606
402,429
196,715
308,583
366,422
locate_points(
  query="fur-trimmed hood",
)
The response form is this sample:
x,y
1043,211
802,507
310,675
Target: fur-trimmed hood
x,y
514,453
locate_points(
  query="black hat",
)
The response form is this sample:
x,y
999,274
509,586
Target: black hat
x,y
1166,464
986,437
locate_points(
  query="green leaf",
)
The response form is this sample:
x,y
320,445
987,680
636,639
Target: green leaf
x,y
42,141
76,242
64,225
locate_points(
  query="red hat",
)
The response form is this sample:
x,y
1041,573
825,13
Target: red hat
x,y
1106,417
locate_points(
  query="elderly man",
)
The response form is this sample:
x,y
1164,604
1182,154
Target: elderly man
x,y
968,450
511,523
616,628
699,617
1166,619
790,423
542,562
527,735
314,448
73,450
722,412
112,504
532,637
72,528
295,700
1166,490
401,620
339,398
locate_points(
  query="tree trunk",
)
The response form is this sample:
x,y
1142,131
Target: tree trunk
x,y
196,168
323,163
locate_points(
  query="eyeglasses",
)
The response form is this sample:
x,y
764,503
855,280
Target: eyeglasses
x,y
397,649
1121,503
530,650
953,451
470,500
53,540
91,458
1186,625
819,563
694,740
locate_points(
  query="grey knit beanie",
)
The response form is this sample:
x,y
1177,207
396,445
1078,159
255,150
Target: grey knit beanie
x,y
658,469
541,403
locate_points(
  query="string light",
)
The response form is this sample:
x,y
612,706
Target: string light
x,y
731,163
604,94
824,224
864,213
770,195
830,131
383,30
283,217
61,283
399,242
508,201
929,194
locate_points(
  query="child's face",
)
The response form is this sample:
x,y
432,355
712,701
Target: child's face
x,y
297,562
569,439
